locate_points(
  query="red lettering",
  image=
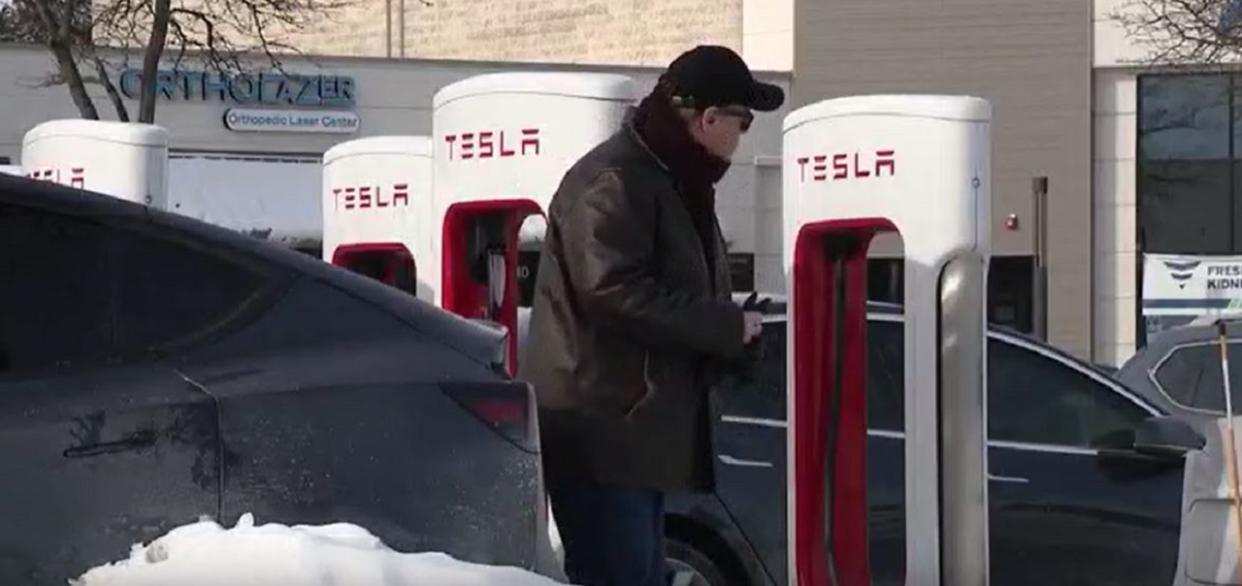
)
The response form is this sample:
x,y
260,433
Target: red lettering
x,y
840,169
503,151
364,197
77,178
450,139
844,168
885,160
486,148
487,144
380,202
401,193
350,198
336,197
858,169
530,137
819,169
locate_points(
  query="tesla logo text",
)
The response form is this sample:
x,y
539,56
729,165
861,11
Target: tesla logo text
x,y
363,198
75,177
488,144
842,166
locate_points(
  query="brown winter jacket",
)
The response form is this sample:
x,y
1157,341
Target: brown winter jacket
x,y
630,328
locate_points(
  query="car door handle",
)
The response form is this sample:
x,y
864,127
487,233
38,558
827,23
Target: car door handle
x,y
1009,479
731,461
134,441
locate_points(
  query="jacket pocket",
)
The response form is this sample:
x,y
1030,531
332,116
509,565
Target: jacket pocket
x,y
611,375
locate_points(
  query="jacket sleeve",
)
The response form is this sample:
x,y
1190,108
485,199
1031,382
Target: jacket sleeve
x,y
610,259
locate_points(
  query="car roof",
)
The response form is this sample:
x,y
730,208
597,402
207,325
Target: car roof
x,y
471,339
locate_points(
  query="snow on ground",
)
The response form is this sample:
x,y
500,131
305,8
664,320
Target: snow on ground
x,y
206,554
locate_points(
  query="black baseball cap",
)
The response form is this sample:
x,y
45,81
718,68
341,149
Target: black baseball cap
x,y
711,75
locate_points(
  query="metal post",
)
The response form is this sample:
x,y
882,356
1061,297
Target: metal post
x,y
1039,281
388,28
1231,452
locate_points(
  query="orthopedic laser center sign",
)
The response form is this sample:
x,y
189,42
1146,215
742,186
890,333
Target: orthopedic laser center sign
x,y
324,121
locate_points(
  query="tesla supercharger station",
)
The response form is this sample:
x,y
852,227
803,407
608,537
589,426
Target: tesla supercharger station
x,y
853,168
503,142
121,159
376,202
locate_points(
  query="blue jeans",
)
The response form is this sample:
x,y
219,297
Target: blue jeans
x,y
613,536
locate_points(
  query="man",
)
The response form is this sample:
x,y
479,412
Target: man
x,y
633,320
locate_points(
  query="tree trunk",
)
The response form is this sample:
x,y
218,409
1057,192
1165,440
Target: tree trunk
x,y
151,60
122,113
73,78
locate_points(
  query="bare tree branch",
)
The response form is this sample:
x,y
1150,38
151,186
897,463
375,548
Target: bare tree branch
x,y
1181,32
225,36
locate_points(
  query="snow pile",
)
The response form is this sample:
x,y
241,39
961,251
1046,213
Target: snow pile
x,y
206,554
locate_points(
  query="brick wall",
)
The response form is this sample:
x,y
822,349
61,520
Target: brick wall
x,y
633,32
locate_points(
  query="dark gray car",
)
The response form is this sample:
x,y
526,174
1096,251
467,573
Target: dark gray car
x,y
154,369
1076,495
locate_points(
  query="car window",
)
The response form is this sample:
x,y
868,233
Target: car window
x,y
1036,399
1191,377
54,304
1032,398
168,291
885,376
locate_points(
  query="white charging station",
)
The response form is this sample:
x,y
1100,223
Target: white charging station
x,y
502,144
852,168
121,159
376,207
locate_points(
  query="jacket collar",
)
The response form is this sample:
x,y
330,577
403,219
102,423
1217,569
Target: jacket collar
x,y
632,132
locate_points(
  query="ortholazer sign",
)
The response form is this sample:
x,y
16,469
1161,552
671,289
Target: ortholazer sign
x,y
322,91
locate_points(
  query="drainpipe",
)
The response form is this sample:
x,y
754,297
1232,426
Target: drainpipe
x,y
1039,190
401,25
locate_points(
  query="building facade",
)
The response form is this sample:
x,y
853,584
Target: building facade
x,y
1168,229
1032,61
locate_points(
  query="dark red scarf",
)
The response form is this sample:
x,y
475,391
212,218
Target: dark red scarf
x,y
693,167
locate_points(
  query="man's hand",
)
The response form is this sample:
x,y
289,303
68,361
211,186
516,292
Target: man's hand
x,y
753,309
753,326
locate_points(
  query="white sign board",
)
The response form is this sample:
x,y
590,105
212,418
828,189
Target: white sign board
x,y
1184,289
320,121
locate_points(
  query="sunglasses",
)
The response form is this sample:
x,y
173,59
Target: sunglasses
x,y
744,114
739,112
